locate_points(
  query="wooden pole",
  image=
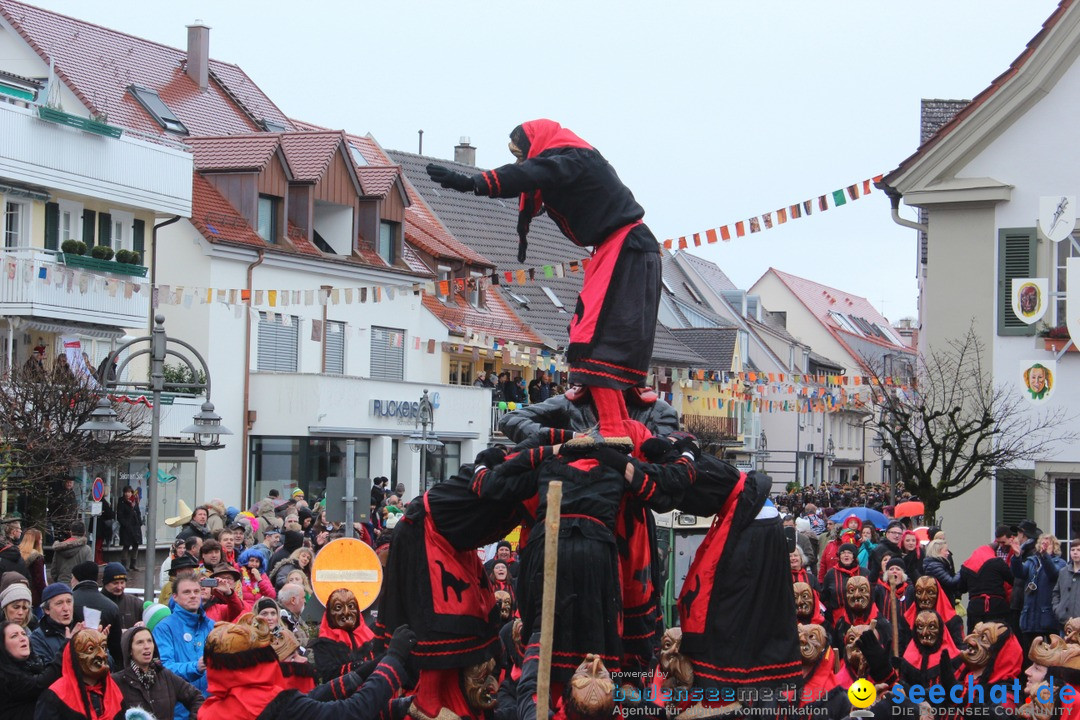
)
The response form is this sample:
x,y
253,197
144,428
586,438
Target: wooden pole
x,y
895,617
547,610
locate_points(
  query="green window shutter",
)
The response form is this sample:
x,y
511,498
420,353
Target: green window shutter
x,y
52,226
1016,259
89,226
138,240
104,229
1015,499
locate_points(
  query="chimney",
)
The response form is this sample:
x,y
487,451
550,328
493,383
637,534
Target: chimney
x,y
465,153
198,53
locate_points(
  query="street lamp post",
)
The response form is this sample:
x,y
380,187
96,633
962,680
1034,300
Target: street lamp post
x,y
420,441
830,455
206,427
763,449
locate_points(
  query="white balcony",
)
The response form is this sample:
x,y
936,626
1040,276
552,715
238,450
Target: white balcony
x,y
69,293
122,170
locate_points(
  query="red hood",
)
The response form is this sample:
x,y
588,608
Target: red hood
x,y
73,693
943,608
914,654
358,637
548,134
241,694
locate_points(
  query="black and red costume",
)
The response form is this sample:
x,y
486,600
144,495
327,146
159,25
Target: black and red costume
x,y
338,651
835,583
1004,666
588,612
736,607
989,581
435,582
945,610
926,666
846,618
69,698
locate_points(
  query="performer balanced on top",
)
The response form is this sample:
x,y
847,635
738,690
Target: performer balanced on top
x,y
614,323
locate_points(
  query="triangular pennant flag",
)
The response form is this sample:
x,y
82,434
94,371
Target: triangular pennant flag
x,y
795,211
767,220
781,216
740,229
755,226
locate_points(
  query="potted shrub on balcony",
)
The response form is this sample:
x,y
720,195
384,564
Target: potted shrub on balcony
x,y
73,247
102,252
101,259
1056,338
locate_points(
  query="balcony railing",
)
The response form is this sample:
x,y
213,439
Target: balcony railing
x,y
80,161
716,429
34,283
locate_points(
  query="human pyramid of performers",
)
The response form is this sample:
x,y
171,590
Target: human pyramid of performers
x,y
582,636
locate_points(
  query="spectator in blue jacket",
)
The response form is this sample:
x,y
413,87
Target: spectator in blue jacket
x,y
58,623
1036,576
182,635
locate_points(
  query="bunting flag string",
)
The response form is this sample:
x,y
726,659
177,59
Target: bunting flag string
x,y
775,218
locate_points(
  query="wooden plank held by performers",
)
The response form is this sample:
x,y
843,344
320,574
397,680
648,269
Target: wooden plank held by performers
x,y
347,563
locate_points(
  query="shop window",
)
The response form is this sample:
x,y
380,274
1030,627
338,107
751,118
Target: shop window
x,y
175,482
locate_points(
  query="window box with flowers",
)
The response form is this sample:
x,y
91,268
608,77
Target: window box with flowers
x,y
1055,339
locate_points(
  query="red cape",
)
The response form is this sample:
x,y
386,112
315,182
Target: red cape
x,y
241,694
73,693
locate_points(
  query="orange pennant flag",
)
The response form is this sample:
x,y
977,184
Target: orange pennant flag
x,y
725,234
781,216
682,243
697,239
740,228
667,244
710,236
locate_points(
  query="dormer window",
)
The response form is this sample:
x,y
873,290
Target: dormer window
x,y
388,235
274,127
158,110
443,292
476,296
268,218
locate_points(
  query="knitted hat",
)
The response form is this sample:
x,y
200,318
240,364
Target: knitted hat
x,y
849,547
896,562
54,590
153,613
113,571
15,592
297,493
85,571
12,577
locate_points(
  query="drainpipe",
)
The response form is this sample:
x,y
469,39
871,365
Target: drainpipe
x,y
153,269
247,385
894,198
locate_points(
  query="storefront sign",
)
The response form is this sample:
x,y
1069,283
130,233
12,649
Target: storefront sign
x,y
400,408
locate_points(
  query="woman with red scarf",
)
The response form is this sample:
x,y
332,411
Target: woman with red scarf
x,y
847,567
614,322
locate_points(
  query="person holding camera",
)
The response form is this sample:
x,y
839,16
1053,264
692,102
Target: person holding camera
x,y
1036,569
222,602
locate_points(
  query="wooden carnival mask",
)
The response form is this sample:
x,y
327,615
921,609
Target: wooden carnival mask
x,y
343,609
926,593
1072,631
478,685
676,667
591,692
853,655
857,594
248,633
502,599
928,629
91,651
979,643
804,600
812,643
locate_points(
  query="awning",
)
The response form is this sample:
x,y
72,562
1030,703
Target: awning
x,y
85,329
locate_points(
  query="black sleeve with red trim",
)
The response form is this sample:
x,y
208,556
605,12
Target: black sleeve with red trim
x,y
539,419
339,688
526,687
538,173
367,704
515,479
661,486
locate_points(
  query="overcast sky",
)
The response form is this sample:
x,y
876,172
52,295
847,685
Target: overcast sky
x,y
711,111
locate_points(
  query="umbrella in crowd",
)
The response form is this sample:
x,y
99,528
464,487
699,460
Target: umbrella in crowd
x,y
863,513
911,508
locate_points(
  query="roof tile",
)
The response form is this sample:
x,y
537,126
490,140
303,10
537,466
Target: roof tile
x,y
233,152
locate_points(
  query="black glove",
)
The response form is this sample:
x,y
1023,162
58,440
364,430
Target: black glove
x,y
402,642
945,669
656,449
491,456
685,442
450,179
877,659
611,458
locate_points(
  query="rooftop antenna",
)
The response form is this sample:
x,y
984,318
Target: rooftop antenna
x,y
421,150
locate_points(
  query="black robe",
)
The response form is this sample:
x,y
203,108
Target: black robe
x,y
614,324
434,580
737,607
588,611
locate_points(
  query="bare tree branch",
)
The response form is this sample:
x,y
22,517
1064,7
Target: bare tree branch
x,y
950,426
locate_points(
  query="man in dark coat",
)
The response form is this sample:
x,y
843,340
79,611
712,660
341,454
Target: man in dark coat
x,y
57,623
87,594
10,557
614,323
113,584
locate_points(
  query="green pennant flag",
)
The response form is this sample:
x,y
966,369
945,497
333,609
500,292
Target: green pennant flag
x,y
838,198
549,271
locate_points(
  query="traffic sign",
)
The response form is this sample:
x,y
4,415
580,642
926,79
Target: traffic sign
x,y
347,563
97,490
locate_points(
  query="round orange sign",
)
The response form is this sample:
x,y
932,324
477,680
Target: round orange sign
x,y
347,563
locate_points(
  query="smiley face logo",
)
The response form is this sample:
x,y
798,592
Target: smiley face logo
x,y
862,693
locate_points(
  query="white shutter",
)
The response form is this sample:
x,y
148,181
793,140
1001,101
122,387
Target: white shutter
x,y
387,353
278,344
335,348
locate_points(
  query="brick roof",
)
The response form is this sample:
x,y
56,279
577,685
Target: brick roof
x,y
377,181
233,152
98,65
495,318
980,99
310,153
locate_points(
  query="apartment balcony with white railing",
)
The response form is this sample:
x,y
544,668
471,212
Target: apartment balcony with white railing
x,y
36,283
70,154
